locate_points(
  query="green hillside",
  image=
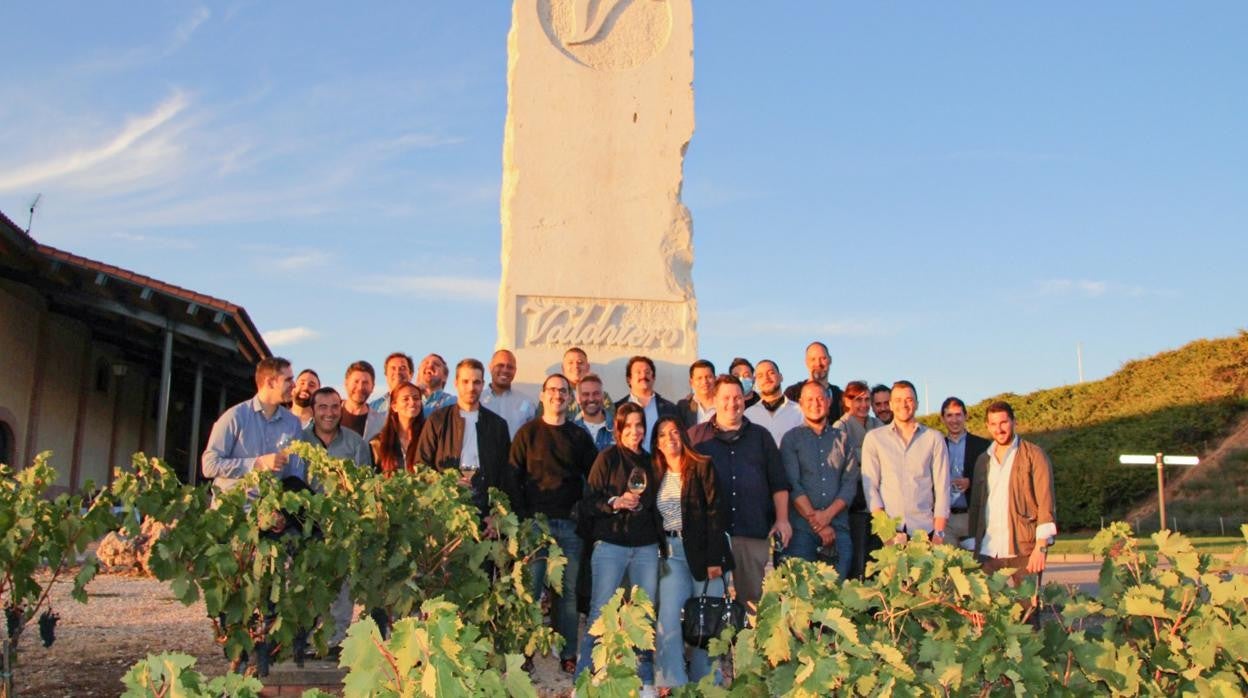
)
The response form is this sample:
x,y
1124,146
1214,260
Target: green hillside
x,y
1183,402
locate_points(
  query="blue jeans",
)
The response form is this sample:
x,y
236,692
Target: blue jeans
x,y
676,585
563,609
609,563
804,543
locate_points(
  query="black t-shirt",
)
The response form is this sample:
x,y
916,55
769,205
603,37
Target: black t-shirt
x,y
354,422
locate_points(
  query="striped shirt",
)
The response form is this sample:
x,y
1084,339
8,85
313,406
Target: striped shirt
x,y
669,501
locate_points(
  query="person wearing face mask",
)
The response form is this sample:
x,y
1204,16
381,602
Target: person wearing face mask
x,y
744,371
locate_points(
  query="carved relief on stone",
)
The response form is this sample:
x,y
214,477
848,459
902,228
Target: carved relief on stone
x,y
608,35
638,325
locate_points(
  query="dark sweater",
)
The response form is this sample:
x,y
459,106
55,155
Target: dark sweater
x,y
609,478
552,464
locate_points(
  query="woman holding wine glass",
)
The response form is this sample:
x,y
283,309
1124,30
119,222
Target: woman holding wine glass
x,y
394,448
697,547
626,527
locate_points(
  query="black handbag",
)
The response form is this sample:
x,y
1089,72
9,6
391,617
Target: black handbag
x,y
704,617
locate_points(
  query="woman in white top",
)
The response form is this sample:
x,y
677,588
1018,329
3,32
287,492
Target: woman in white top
x,y
697,547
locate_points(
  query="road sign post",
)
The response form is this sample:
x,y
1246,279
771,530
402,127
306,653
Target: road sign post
x,y
1161,460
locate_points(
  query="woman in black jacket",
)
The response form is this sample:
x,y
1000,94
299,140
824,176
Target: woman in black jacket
x,y
697,547
625,526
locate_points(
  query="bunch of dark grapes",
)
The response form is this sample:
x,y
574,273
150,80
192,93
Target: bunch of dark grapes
x,y
13,620
47,627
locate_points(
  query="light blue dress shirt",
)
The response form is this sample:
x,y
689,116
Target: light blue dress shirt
x,y
908,481
240,436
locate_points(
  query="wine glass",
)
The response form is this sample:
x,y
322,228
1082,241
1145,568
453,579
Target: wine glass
x,y
283,441
637,481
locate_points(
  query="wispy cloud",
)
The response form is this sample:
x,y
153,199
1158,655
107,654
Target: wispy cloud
x,y
289,335
128,138
183,32
142,55
419,141
305,259
155,242
1087,288
465,288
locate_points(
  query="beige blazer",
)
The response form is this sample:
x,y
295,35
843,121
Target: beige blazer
x,y
1031,497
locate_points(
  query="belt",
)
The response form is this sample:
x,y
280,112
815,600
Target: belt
x,y
672,534
958,510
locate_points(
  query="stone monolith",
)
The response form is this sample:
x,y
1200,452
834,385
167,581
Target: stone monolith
x,y
596,244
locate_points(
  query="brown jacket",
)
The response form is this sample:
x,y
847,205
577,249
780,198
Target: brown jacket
x,y
1031,497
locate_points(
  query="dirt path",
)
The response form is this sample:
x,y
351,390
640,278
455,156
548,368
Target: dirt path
x,y
127,618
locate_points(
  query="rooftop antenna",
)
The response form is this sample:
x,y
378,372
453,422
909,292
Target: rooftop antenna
x,y
31,218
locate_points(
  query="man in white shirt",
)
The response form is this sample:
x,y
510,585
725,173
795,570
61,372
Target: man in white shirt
x,y
700,405
1012,511
640,375
774,411
515,407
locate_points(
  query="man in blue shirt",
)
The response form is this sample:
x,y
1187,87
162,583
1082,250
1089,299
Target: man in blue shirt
x,y
252,435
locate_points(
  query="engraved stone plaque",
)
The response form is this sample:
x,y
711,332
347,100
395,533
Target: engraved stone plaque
x,y
596,244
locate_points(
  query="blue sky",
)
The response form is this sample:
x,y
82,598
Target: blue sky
x,y
955,193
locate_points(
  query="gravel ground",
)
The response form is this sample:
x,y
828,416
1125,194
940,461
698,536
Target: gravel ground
x,y
127,618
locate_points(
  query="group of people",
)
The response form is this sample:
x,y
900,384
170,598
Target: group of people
x,y
695,497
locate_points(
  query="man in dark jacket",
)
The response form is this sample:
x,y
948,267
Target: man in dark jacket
x,y
469,438
700,405
640,376
964,449
752,482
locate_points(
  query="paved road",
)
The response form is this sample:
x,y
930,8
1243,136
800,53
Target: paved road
x,y
1081,574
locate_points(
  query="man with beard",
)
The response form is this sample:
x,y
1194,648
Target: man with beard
x,y
774,411
822,465
575,367
1012,512
306,383
818,362
593,412
640,376
432,378
356,414
880,396
398,370
517,408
